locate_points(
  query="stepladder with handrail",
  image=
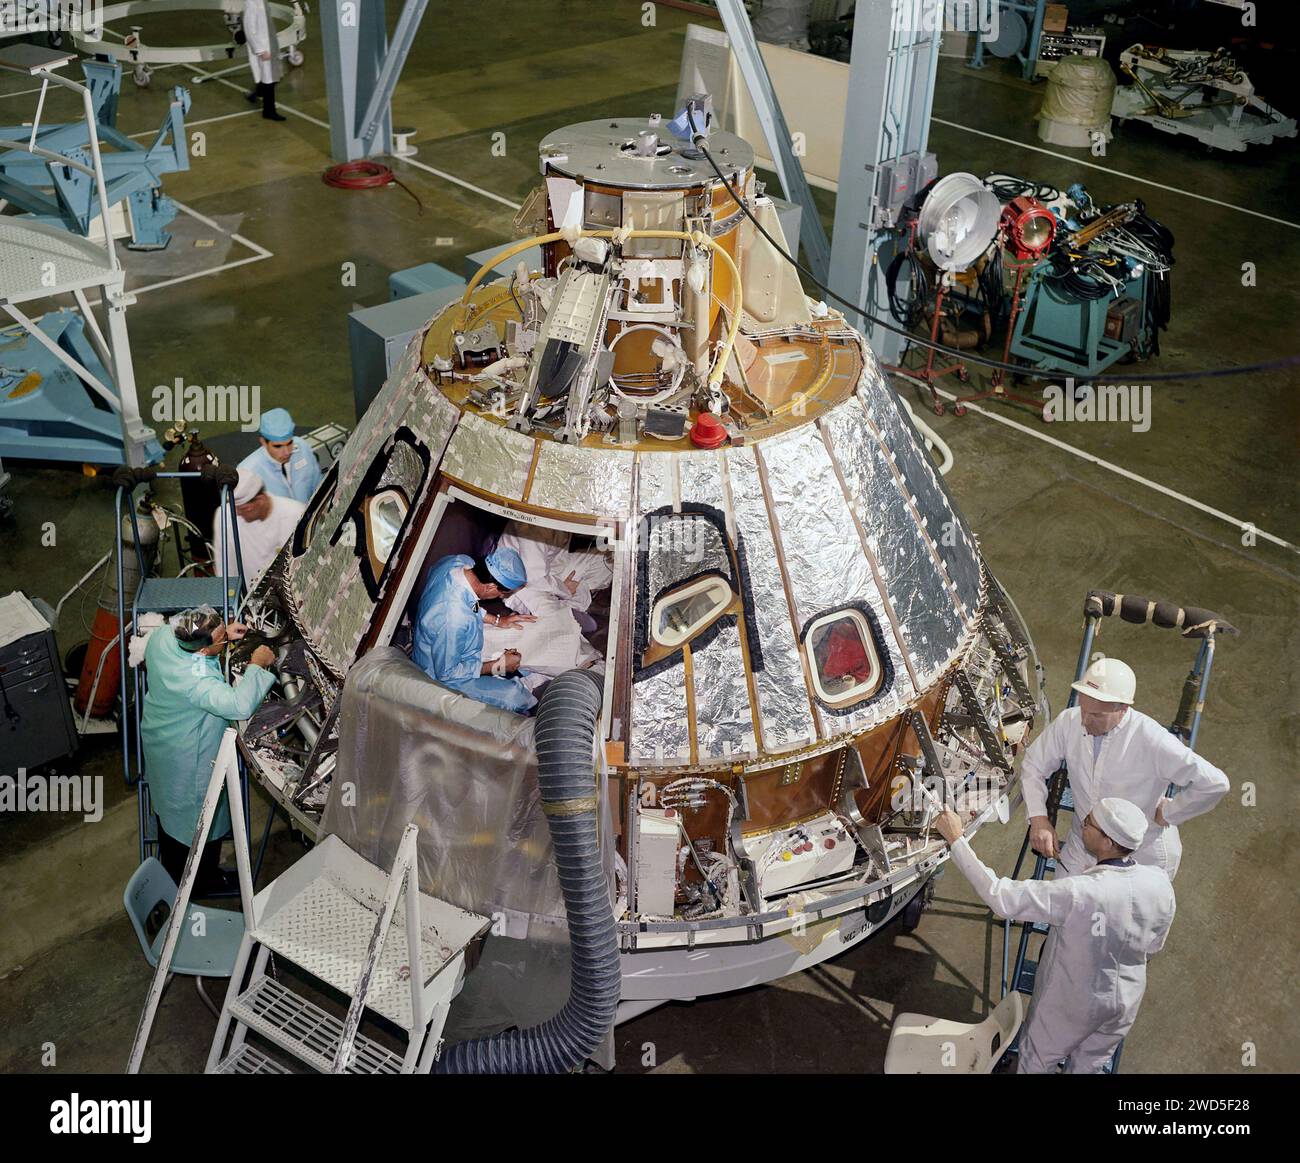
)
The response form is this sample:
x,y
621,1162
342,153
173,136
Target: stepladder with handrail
x,y
165,596
1191,622
369,934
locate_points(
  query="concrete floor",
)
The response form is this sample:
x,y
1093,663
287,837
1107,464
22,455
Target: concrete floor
x,y
1051,524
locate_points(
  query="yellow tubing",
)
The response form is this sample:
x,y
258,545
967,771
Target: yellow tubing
x,y
696,237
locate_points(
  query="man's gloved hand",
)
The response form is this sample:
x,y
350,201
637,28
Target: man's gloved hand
x,y
262,656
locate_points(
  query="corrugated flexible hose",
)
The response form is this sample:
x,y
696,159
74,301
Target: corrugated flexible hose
x,y
567,719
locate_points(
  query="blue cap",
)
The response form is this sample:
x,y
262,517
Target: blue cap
x,y
508,568
277,425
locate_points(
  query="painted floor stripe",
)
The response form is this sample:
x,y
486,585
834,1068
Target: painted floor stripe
x,y
1119,470
446,177
193,124
410,161
1118,173
259,254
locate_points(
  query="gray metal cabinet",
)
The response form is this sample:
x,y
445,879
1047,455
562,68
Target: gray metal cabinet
x,y
35,719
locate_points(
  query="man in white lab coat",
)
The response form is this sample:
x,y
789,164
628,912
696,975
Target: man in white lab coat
x,y
555,572
264,522
1113,749
263,56
1105,923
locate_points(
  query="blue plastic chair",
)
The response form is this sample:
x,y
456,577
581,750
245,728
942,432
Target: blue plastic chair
x,y
211,955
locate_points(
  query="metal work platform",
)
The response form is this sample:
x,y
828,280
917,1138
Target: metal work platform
x,y
38,261
42,413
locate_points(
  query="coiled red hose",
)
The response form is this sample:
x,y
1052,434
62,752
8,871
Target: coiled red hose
x,y
365,175
360,175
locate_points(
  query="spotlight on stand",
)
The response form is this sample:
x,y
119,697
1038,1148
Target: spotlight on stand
x,y
1028,229
957,222
1028,226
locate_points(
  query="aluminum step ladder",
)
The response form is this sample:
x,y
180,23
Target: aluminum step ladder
x,y
334,915
1193,623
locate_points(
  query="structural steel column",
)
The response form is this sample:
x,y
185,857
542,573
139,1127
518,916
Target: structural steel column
x,y
354,36
895,54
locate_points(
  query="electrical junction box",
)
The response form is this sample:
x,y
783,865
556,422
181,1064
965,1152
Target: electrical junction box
x,y
378,337
898,180
1056,17
658,837
800,855
925,168
1124,320
419,280
480,258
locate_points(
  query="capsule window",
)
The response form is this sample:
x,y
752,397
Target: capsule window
x,y
845,664
385,512
380,508
684,612
317,509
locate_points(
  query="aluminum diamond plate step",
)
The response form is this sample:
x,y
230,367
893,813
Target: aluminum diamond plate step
x,y
307,1031
246,1059
321,914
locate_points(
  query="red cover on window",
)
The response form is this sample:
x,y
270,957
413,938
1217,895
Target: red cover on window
x,y
845,653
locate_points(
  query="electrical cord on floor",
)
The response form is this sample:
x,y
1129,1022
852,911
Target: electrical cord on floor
x,y
698,140
366,175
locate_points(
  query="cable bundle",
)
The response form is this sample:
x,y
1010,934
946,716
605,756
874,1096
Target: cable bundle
x,y
1008,186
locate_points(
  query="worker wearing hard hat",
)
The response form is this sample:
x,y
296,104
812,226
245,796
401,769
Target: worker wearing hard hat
x,y
1112,749
1105,923
187,708
449,628
264,523
287,465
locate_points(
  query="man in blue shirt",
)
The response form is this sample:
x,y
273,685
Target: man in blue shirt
x,y
449,628
286,464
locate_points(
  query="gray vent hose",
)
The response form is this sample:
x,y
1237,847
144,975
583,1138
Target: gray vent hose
x,y
566,728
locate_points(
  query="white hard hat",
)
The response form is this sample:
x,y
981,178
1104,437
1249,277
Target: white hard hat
x,y
1109,680
1123,822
